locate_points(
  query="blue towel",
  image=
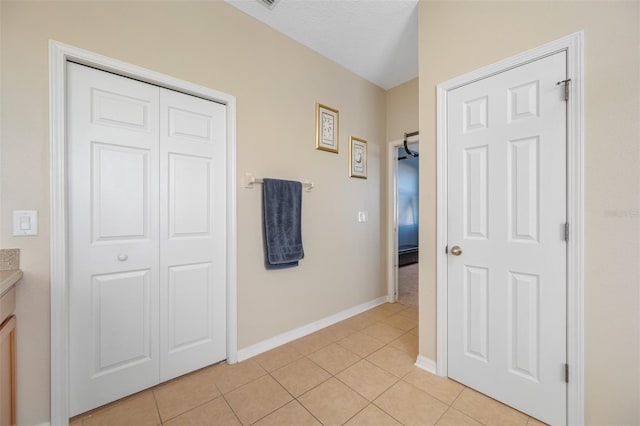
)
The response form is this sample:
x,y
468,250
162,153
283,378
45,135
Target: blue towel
x,y
282,208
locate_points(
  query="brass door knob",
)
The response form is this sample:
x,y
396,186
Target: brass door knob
x,y
456,251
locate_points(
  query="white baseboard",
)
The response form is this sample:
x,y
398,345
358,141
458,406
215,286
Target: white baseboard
x,y
426,364
281,339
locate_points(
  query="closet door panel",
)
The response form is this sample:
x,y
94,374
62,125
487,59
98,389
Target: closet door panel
x,y
147,235
113,236
192,233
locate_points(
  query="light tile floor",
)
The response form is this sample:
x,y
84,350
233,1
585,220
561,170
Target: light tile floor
x,y
357,372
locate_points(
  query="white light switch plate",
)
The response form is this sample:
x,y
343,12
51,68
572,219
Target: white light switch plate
x,y
25,222
363,217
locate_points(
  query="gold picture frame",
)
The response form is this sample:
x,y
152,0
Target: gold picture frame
x,y
357,158
327,128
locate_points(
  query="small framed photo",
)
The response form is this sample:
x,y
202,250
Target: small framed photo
x,y
357,158
326,128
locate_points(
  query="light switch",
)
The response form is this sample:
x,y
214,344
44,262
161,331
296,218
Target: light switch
x,y
25,222
363,217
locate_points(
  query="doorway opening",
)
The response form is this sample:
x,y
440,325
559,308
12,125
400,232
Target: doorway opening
x,y
404,184
408,222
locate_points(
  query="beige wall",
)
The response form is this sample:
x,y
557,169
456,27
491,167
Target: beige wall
x,y
458,37
277,83
402,110
402,116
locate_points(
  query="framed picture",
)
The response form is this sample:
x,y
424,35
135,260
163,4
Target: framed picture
x,y
357,158
326,128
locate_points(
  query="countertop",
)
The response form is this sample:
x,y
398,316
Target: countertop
x,y
9,278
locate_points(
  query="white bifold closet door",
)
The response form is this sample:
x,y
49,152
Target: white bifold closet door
x,y
147,235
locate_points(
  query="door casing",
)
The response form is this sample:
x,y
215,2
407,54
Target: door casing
x,y
574,46
59,55
392,225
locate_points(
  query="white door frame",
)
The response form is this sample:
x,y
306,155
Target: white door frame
x,y
574,46
392,222
59,55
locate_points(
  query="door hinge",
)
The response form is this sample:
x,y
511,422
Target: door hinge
x,y
566,87
566,373
566,231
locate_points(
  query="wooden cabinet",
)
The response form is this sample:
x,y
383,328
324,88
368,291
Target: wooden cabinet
x,y
8,280
8,372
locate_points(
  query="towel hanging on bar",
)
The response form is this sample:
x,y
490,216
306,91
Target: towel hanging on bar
x,y
282,223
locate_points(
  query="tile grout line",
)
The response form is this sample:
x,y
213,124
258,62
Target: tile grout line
x,y
296,398
222,395
195,407
307,410
335,376
357,412
369,402
442,415
464,412
271,412
387,413
378,396
190,409
379,366
157,407
305,392
458,396
432,395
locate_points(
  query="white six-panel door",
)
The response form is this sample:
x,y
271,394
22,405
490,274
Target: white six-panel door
x,y
147,228
192,229
507,210
113,236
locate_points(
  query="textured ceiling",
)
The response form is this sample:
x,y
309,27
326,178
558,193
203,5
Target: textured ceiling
x,y
376,39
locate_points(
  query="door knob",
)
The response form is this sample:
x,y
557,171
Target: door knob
x,y
456,251
122,257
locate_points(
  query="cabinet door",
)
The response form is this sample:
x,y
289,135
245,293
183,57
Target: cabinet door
x,y
8,372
